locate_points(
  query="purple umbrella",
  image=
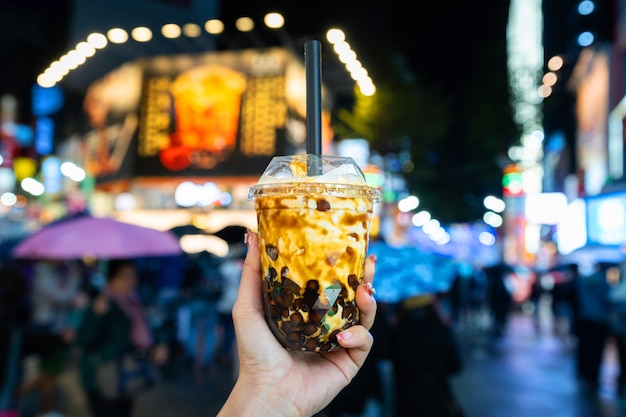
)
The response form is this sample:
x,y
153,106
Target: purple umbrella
x,y
96,237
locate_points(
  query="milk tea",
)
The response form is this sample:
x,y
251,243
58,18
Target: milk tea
x,y
313,241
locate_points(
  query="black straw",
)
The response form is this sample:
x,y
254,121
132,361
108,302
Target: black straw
x,y
313,67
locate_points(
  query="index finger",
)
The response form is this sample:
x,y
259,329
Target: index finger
x,y
365,294
249,293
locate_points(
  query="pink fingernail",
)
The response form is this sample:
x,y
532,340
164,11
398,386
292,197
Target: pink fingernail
x,y
247,238
370,288
345,335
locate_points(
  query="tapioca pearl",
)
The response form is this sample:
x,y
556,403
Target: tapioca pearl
x,y
315,316
343,294
285,299
353,281
351,253
296,319
309,329
310,344
293,338
313,285
328,346
322,205
349,310
346,313
271,274
272,252
309,299
289,292
311,293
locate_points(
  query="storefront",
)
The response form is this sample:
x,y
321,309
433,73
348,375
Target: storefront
x,y
179,139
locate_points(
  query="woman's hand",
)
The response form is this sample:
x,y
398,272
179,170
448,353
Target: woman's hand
x,y
277,382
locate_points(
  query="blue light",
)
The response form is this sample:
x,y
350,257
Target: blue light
x,y
586,7
51,173
24,135
44,134
46,101
585,39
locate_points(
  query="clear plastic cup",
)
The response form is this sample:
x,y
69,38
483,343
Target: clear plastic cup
x,y
314,214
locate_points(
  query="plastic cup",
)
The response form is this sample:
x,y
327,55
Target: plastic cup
x,y
313,241
207,102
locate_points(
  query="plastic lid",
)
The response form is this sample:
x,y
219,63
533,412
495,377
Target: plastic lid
x,y
309,173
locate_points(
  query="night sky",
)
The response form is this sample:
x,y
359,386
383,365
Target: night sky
x,y
455,49
436,40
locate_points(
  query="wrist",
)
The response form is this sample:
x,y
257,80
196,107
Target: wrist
x,y
251,401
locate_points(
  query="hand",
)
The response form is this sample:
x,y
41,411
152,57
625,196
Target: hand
x,y
278,382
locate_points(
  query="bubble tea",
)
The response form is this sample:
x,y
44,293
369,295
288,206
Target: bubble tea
x,y
313,240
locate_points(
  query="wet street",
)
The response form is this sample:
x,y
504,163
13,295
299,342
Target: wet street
x,y
528,372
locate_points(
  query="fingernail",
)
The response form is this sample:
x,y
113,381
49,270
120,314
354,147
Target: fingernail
x,y
345,335
373,258
370,288
247,238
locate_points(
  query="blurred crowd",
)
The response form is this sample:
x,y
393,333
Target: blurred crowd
x,y
581,304
55,314
59,314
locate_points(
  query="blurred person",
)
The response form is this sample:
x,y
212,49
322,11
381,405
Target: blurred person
x,y
426,355
115,323
538,288
477,295
458,294
276,382
573,275
230,271
466,295
55,296
500,298
14,314
594,314
562,296
617,298
197,316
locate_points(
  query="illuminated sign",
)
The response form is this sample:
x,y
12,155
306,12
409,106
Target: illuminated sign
x,y
217,114
512,182
606,219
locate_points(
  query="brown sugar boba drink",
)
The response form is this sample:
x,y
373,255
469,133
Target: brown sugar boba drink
x,y
313,240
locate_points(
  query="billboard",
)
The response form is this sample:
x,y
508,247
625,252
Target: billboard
x,y
571,230
592,112
213,114
606,219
